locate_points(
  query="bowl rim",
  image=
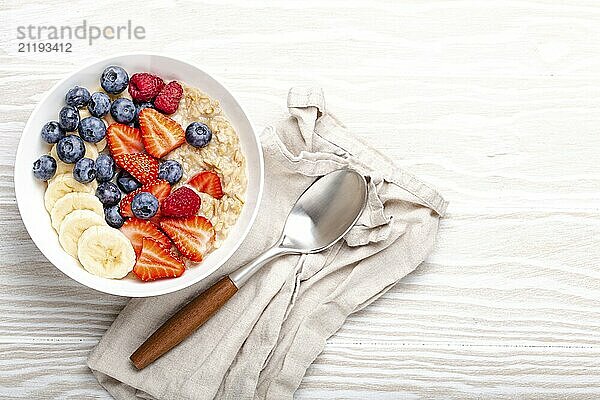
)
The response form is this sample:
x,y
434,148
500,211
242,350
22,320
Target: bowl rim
x,y
107,288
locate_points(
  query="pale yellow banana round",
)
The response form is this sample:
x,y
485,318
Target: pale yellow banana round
x,y
71,202
73,226
101,145
63,184
105,252
61,167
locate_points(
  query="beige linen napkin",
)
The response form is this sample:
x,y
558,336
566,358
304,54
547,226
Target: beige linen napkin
x,y
260,344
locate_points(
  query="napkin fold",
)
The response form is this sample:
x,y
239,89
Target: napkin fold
x,y
259,345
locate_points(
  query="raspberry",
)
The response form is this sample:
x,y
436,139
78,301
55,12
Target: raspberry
x,y
167,100
183,202
144,86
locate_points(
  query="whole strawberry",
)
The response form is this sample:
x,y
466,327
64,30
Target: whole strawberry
x,y
144,86
183,202
167,100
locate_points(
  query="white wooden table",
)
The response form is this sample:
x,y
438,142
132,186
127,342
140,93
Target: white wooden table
x,y
495,103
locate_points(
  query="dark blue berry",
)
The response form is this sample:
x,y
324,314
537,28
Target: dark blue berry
x,y
113,216
70,149
52,132
126,182
92,129
105,168
108,193
114,79
44,167
139,107
144,205
198,134
99,104
170,171
84,170
123,110
68,118
77,97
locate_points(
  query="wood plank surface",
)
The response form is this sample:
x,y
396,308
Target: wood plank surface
x,y
494,103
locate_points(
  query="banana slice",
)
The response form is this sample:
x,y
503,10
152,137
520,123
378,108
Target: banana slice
x,y
105,252
101,145
71,202
62,184
61,167
73,226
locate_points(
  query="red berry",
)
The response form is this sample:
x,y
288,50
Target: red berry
x,y
193,236
160,133
183,202
168,98
207,182
144,86
142,167
157,262
123,139
136,229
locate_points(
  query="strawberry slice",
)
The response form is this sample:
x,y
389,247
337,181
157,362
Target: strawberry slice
x,y
183,202
159,188
157,262
207,182
142,167
124,139
192,236
160,133
137,229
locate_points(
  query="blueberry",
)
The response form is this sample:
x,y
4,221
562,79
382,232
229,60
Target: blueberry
x,y
113,216
139,107
114,79
105,168
68,118
92,129
84,170
144,205
52,132
99,104
170,171
123,110
77,97
44,167
108,193
70,149
198,134
126,182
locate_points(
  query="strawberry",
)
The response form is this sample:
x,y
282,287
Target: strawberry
x,y
168,98
141,166
123,139
157,262
183,202
136,229
144,86
160,133
159,188
192,236
207,182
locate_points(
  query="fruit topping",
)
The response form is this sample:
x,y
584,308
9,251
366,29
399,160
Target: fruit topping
x,y
105,168
92,129
124,139
114,79
84,170
160,133
138,108
99,104
168,98
77,97
136,229
192,236
171,171
126,182
198,134
70,149
44,167
145,86
122,110
113,216
157,262
141,166
52,132
68,118
207,182
105,252
108,193
144,205
183,202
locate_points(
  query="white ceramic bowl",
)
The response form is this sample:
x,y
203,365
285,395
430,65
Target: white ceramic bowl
x,y
30,191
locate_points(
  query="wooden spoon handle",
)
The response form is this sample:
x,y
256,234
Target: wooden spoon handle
x,y
184,323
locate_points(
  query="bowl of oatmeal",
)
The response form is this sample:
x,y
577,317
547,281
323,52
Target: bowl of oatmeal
x,y
147,175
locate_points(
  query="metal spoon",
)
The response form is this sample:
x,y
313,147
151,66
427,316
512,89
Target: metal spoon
x,y
322,215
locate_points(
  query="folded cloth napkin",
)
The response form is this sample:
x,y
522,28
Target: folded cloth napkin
x,y
259,345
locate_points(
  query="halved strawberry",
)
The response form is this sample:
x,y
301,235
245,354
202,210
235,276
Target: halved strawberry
x,y
137,229
157,262
207,182
160,133
159,188
192,236
124,139
142,167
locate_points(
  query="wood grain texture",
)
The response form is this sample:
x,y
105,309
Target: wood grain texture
x,y
494,103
